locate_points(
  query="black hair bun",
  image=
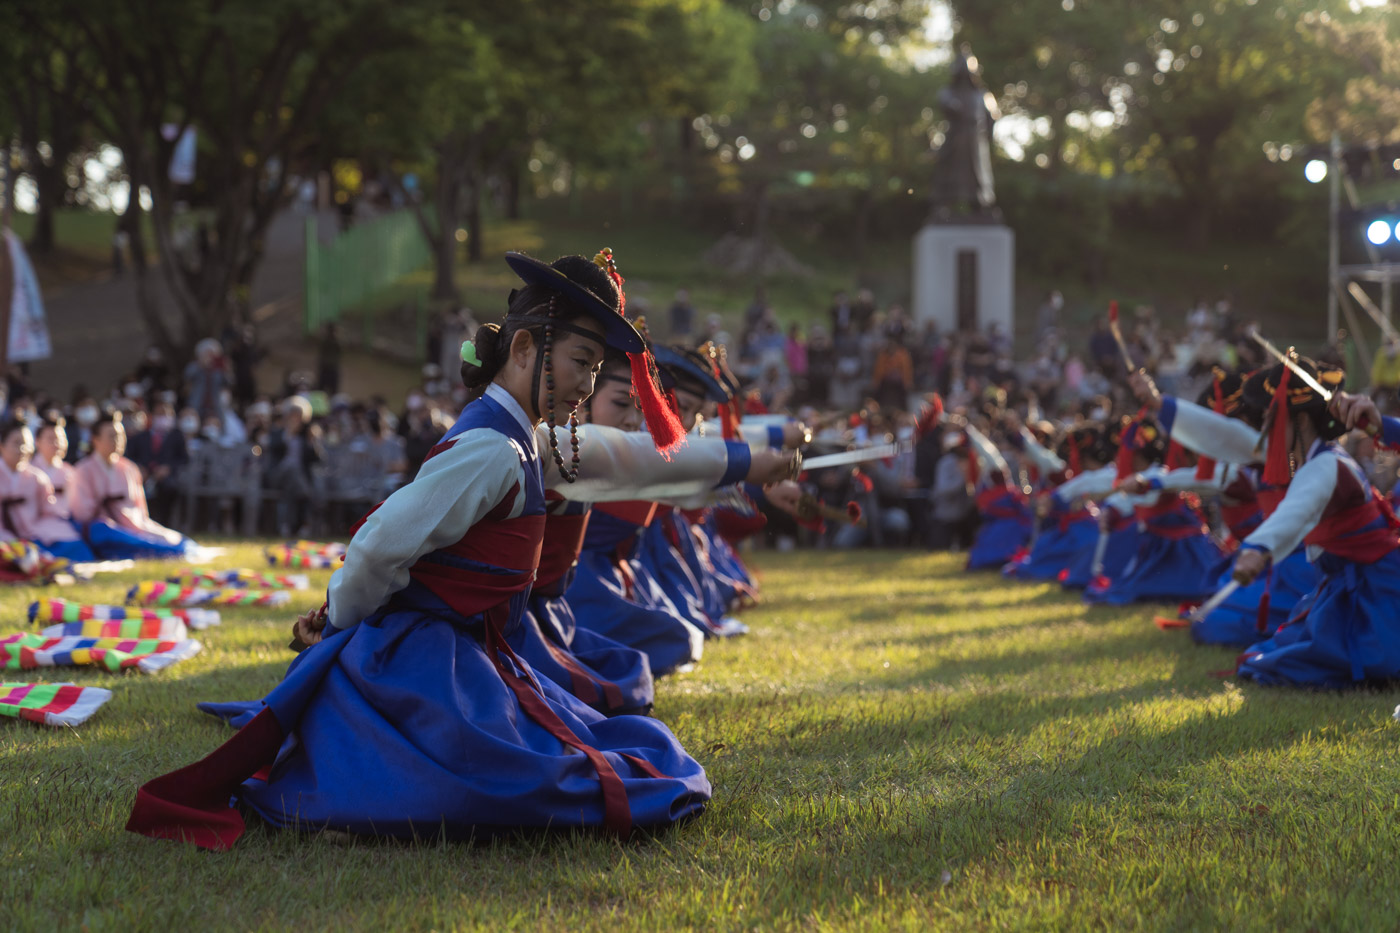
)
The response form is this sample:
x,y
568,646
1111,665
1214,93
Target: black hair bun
x,y
488,351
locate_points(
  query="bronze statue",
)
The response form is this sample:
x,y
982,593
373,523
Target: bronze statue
x,y
962,175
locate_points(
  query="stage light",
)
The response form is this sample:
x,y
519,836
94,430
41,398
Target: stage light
x,y
1315,171
1378,232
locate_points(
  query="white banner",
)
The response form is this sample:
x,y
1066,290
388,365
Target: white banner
x,y
29,332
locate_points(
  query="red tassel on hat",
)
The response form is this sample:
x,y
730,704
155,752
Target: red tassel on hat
x,y
1205,467
1175,453
1075,463
1276,471
973,470
662,422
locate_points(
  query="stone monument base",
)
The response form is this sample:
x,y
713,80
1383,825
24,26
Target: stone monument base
x,y
964,276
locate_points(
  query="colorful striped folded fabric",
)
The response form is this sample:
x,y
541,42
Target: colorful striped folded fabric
x,y
63,610
324,548
159,629
30,561
305,554
27,651
160,593
51,704
240,579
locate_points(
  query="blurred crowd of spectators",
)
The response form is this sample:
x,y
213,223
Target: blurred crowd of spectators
x,y
318,456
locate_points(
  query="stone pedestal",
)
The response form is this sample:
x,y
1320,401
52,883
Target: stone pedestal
x,y
964,276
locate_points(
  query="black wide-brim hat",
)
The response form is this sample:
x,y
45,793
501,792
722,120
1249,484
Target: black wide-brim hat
x,y
1260,388
571,277
685,365
1231,392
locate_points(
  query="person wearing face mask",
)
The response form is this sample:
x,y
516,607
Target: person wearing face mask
x,y
110,503
161,451
29,511
85,415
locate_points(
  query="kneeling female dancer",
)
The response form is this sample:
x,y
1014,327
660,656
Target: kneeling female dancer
x,y
410,715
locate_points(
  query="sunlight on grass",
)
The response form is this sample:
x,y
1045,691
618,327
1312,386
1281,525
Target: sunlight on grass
x,y
897,745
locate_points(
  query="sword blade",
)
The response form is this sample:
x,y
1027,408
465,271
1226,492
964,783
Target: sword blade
x,y
863,455
1293,367
1363,299
1215,602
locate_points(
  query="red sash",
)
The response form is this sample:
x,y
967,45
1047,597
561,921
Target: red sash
x,y
1167,504
988,506
563,542
637,512
511,542
1269,498
1338,534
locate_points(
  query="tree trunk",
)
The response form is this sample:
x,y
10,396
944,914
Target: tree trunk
x,y
475,181
860,236
7,288
444,244
511,178
42,241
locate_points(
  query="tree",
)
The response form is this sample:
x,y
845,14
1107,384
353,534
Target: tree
x,y
251,79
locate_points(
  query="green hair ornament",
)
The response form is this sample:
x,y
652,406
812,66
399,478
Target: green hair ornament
x,y
469,354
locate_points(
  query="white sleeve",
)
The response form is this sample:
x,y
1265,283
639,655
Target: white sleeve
x,y
988,457
1045,460
1205,432
1122,503
1091,483
452,492
1302,506
619,465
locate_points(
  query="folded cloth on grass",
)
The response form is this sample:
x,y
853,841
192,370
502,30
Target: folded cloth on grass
x,y
240,579
160,593
63,610
26,562
51,704
26,651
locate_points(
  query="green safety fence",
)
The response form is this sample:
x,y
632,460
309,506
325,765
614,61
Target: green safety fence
x,y
357,264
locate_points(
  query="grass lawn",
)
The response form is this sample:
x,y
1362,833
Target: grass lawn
x,y
897,745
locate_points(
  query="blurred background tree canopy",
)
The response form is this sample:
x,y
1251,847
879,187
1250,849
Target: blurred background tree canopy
x,y
1135,135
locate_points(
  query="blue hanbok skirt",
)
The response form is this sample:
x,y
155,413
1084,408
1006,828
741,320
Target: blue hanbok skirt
x,y
109,542
1122,545
403,726
678,583
726,562
625,687
1162,570
1005,529
1055,549
635,613
1345,632
1236,621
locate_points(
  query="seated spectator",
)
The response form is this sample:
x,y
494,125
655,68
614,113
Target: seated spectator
x,y
161,452
29,510
111,504
51,447
954,519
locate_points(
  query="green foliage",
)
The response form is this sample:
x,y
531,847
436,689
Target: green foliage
x,y
898,745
